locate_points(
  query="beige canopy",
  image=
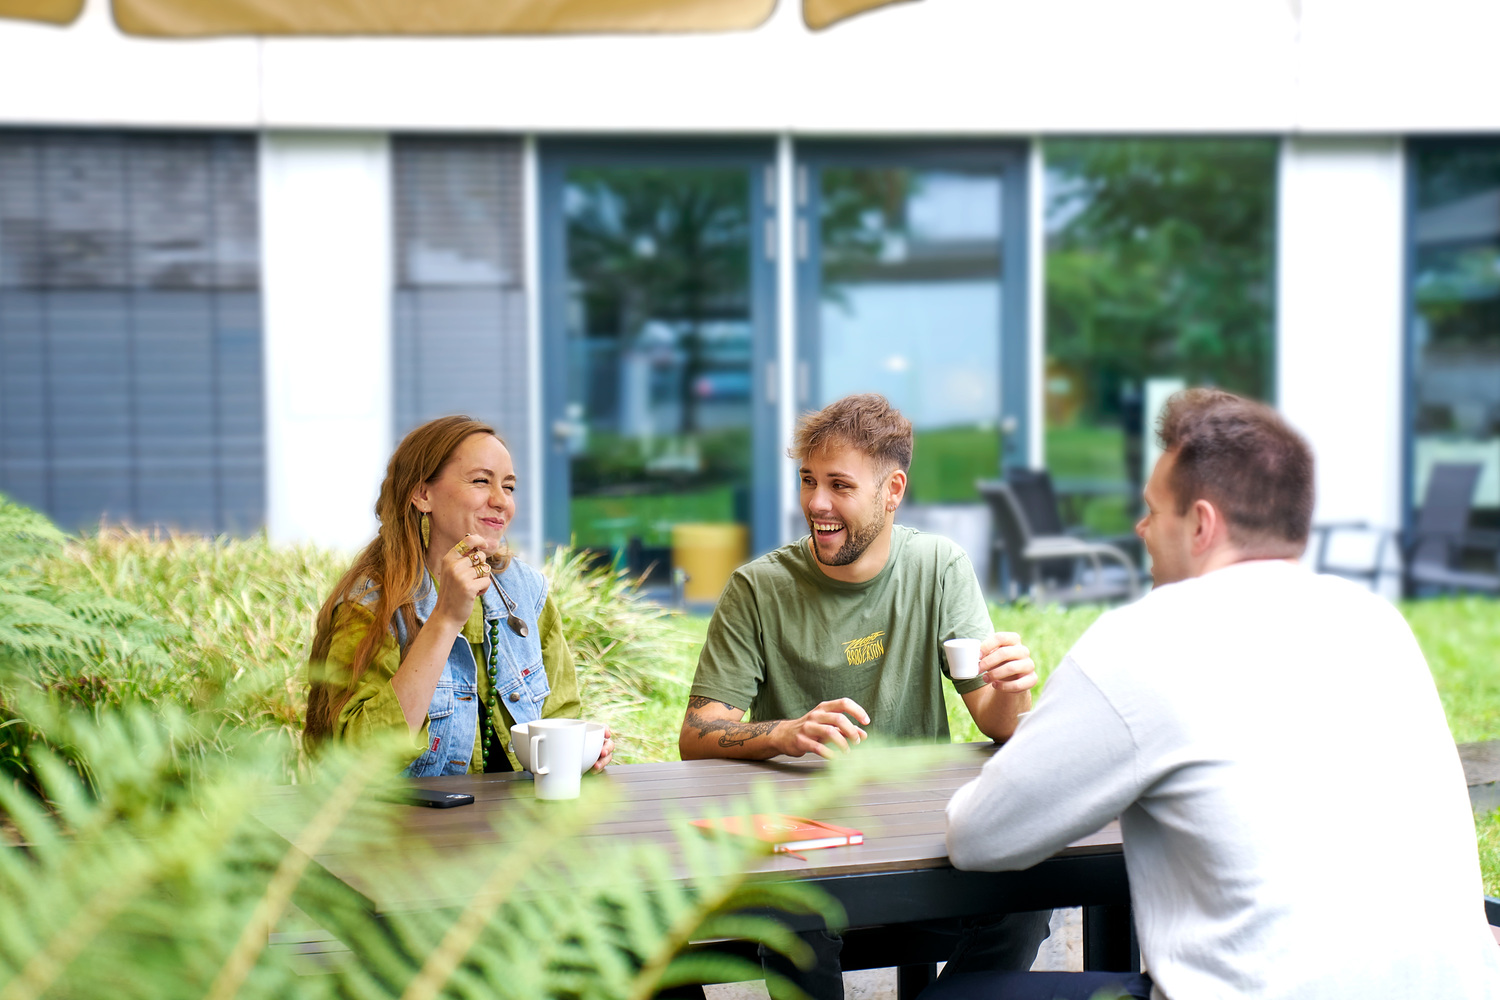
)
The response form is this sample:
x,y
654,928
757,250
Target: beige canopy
x,y
199,18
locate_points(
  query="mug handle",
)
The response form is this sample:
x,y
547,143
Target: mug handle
x,y
537,742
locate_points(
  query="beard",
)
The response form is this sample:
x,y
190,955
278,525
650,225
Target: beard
x,y
857,541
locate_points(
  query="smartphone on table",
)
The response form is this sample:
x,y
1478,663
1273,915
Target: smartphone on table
x,y
432,797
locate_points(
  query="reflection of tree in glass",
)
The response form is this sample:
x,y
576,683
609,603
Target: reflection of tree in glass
x,y
1159,264
863,210
1458,293
1455,170
664,246
1458,256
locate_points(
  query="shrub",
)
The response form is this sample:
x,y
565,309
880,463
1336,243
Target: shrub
x,y
221,626
71,644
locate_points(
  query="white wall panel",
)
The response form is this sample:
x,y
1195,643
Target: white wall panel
x,y
1340,318
1388,66
91,74
326,247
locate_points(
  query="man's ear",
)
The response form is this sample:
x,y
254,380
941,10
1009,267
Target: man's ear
x,y
1209,527
895,489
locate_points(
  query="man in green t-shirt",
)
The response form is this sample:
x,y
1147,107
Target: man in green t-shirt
x,y
843,629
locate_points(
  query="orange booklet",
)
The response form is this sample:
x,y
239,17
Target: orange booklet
x,y
787,833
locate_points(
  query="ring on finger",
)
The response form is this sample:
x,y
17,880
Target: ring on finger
x,y
475,559
462,546
479,572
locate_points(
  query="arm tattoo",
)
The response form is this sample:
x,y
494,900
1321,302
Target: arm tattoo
x,y
731,734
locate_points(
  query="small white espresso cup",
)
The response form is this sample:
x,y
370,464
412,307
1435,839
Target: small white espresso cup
x,y
963,658
556,754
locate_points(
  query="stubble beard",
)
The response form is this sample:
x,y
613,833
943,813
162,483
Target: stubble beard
x,y
855,545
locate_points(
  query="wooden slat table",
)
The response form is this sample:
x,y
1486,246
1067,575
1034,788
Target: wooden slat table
x,y
900,874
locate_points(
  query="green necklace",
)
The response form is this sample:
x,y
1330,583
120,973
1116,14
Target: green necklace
x,y
493,706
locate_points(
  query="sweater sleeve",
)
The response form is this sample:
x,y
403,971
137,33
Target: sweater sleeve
x,y
1070,768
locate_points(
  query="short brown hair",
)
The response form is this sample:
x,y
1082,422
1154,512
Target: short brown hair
x,y
866,421
1242,457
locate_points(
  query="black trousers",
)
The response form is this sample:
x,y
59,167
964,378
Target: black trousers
x,y
1040,986
980,945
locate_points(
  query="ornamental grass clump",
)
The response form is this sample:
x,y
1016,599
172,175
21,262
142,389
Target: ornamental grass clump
x,y
64,644
240,611
220,627
629,652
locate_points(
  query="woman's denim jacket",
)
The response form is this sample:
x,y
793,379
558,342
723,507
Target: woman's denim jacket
x,y
520,677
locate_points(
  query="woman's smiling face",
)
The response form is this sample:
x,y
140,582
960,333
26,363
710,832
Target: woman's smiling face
x,y
472,494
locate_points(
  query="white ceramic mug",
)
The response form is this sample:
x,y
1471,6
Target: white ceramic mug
x,y
593,744
963,658
556,754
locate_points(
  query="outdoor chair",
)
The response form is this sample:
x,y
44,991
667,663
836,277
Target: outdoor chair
x,y
1052,566
1033,487
1432,556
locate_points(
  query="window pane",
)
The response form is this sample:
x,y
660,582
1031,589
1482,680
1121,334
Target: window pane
x,y
130,328
910,308
460,301
1159,275
1457,324
659,326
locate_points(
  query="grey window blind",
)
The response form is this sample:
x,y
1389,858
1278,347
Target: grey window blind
x,y
460,297
130,329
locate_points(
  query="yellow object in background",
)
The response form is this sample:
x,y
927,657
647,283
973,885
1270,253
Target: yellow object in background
x,y
708,553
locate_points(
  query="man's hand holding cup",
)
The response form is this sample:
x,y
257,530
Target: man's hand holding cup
x,y
1005,664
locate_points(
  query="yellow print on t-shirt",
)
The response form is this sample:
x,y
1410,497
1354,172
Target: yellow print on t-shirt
x,y
864,650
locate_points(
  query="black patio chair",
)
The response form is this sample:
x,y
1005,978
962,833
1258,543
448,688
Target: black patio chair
x,y
1433,556
1053,567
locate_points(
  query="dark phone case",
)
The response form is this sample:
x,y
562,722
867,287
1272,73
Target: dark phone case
x,y
436,799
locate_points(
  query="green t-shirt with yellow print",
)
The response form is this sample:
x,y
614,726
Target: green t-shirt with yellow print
x,y
785,637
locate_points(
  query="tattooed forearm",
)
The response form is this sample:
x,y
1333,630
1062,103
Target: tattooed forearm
x,y
737,734
731,734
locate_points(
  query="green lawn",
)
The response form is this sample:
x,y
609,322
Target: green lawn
x,y
1086,452
946,462
609,522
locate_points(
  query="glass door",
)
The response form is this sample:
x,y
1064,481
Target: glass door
x,y
659,350
912,283
1454,392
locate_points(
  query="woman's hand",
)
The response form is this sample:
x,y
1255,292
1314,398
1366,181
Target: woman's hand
x,y
465,574
606,752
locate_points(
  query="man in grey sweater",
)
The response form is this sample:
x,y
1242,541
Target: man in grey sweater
x,y
1273,745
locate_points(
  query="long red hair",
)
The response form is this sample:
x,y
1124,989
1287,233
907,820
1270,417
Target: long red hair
x,y
392,565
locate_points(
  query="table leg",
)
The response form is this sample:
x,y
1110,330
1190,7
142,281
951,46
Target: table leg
x,y
913,979
1109,943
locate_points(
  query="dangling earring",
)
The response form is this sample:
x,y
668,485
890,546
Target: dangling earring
x,y
426,530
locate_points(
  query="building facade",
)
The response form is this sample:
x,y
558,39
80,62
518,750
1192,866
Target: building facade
x,y
233,271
